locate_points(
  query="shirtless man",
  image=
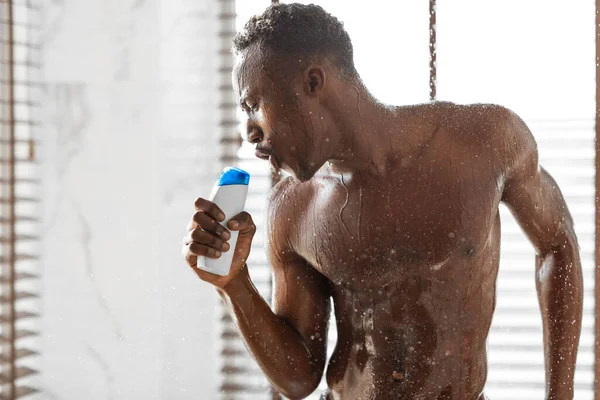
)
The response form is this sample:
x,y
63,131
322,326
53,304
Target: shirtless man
x,y
393,213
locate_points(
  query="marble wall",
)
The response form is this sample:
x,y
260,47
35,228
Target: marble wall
x,y
127,142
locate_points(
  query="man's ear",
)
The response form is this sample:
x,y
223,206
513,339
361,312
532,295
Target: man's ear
x,y
314,80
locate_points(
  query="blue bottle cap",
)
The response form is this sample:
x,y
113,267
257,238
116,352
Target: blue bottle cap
x,y
233,176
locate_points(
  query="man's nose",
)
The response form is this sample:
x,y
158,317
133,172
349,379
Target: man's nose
x,y
255,135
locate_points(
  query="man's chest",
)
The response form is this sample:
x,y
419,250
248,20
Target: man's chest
x,y
363,228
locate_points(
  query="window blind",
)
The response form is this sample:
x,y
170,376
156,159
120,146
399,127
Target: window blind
x,y
19,62
241,378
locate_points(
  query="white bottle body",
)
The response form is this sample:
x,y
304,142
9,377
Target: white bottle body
x,y
231,199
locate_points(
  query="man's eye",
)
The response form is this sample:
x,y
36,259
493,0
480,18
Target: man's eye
x,y
253,107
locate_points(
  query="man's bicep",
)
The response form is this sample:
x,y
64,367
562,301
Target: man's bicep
x,y
301,298
530,193
536,202
301,294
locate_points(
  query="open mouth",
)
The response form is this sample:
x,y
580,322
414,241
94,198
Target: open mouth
x,y
263,155
272,158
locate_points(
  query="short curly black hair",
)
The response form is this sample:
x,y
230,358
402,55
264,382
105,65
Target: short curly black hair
x,y
299,30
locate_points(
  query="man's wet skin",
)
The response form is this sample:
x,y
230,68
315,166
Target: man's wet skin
x,y
393,213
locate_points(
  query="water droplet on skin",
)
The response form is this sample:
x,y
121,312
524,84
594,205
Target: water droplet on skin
x,y
451,235
327,139
293,148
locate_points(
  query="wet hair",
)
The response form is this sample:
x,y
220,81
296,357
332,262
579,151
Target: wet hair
x,y
305,31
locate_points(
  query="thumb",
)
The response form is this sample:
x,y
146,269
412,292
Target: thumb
x,y
243,223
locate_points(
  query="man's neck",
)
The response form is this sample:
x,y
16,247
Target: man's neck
x,y
366,131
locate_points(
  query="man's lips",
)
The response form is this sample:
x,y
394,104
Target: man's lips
x,y
263,155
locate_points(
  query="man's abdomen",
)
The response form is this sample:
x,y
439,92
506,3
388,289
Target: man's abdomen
x,y
411,344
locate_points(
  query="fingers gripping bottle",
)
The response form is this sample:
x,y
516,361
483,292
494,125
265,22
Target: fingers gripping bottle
x,y
229,193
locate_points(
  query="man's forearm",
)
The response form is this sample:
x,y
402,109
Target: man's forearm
x,y
277,347
560,292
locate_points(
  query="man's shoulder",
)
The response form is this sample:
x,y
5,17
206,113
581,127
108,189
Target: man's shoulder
x,y
492,131
285,205
284,201
485,120
280,192
469,124
501,127
491,125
